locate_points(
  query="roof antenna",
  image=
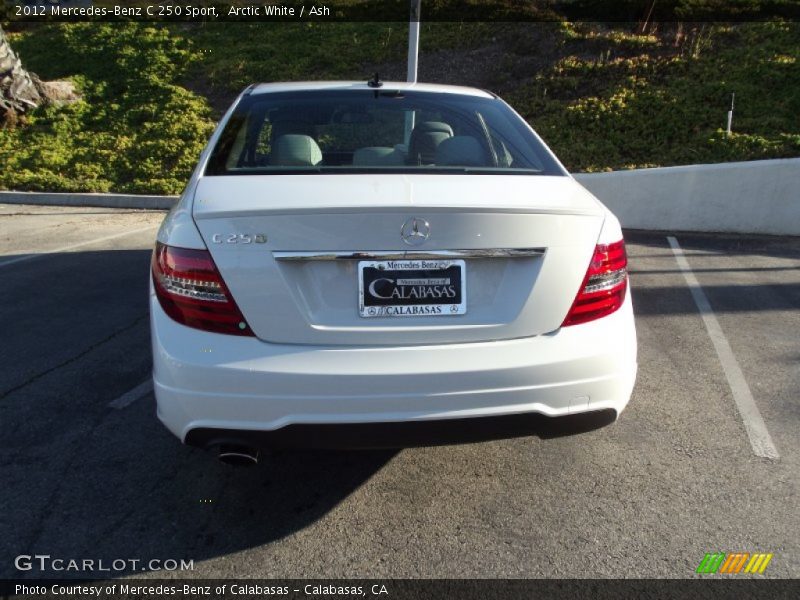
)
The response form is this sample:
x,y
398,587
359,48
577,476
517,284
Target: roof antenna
x,y
375,82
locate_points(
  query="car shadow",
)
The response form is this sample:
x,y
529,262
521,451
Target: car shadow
x,y
125,493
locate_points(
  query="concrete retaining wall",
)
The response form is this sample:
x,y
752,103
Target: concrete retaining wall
x,y
743,197
101,200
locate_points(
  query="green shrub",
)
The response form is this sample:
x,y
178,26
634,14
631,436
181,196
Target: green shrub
x,y
668,108
136,129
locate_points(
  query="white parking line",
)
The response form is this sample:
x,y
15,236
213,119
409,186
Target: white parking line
x,y
20,259
756,429
140,391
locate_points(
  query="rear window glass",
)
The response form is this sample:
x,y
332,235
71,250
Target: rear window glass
x,y
376,130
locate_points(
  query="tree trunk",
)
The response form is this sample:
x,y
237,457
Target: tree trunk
x,y
20,91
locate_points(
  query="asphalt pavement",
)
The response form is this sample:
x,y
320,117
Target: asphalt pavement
x,y
674,478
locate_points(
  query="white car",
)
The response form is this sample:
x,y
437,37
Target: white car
x,y
367,264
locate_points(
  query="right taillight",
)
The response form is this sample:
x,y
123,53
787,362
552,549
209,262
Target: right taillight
x,y
603,289
191,291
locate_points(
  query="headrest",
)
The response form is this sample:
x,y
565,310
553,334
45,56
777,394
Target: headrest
x,y
295,150
425,137
461,151
377,156
433,126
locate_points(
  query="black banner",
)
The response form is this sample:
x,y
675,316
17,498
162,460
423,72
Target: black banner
x,y
398,10
396,589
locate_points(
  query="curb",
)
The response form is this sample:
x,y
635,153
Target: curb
x,y
99,200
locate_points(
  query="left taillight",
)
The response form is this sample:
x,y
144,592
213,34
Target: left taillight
x,y
191,291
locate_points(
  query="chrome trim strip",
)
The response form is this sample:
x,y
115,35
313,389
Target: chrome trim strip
x,y
410,254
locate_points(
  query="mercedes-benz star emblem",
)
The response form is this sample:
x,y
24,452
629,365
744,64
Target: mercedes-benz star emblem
x,y
415,231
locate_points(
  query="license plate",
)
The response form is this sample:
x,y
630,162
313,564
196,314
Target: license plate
x,y
412,288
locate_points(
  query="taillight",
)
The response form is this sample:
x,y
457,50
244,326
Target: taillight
x,y
191,291
603,289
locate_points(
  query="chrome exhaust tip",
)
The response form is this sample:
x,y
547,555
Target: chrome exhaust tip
x,y
238,456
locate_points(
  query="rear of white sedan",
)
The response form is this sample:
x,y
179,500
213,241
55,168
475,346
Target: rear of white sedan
x,y
385,265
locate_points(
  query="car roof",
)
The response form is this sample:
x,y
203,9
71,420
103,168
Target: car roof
x,y
303,86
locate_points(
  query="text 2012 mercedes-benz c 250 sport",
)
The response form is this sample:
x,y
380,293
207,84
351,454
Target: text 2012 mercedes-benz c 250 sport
x,y
368,264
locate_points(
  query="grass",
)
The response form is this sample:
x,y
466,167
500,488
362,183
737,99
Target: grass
x,y
629,107
602,97
137,130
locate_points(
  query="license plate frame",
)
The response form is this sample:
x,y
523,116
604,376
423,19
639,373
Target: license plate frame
x,y
422,281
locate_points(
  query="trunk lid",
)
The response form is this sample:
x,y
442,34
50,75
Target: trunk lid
x,y
260,229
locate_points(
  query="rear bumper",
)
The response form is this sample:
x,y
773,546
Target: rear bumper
x,y
406,434
212,387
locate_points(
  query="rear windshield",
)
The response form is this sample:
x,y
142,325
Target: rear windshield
x,y
368,131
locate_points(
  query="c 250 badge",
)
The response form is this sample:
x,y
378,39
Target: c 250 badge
x,y
239,238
